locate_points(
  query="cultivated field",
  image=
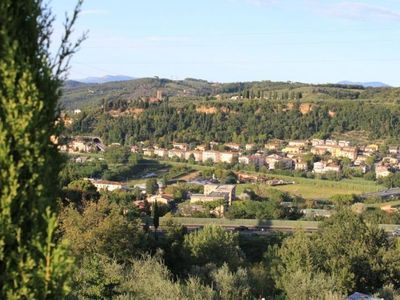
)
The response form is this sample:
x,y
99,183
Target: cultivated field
x,y
309,188
321,189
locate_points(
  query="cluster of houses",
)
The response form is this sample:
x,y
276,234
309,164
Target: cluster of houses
x,y
279,154
83,144
276,154
226,193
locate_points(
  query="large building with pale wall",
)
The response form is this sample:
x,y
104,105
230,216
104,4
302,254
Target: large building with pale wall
x,y
213,192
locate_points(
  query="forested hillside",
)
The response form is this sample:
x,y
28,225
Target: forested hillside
x,y
85,95
244,121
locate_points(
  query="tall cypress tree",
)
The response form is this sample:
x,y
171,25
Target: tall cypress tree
x,y
33,264
156,218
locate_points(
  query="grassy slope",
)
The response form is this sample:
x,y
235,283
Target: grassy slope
x,y
311,188
324,189
304,187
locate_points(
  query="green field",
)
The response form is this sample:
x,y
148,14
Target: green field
x,y
308,188
181,164
321,189
304,187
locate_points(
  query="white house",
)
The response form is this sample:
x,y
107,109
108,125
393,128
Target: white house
x,y
108,185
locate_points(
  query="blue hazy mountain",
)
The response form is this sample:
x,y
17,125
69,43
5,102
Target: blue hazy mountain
x,y
104,79
365,84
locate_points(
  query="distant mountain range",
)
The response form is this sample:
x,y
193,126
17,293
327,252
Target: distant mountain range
x,y
365,84
104,79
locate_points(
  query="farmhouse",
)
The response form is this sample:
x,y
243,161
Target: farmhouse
x,y
160,198
108,185
213,192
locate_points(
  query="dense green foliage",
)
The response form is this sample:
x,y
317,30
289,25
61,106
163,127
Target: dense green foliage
x,y
151,186
80,191
213,245
135,168
101,228
347,255
115,154
33,265
117,257
245,121
268,210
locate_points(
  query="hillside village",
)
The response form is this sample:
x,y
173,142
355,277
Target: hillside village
x,y
318,156
315,158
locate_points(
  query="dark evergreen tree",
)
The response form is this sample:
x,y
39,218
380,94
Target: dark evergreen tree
x,y
156,217
33,265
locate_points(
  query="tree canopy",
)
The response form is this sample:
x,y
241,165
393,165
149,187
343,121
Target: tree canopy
x,y
33,265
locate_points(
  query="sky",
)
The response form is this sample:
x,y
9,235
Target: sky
x,y
237,40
